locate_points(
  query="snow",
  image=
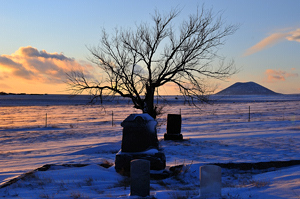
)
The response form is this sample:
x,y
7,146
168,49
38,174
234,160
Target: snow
x,y
144,116
78,138
149,152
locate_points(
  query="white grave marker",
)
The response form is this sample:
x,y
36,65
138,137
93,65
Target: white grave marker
x,y
140,178
210,181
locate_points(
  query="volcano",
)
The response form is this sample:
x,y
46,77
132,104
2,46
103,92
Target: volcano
x,y
246,88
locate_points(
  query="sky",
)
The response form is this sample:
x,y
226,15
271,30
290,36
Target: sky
x,y
40,41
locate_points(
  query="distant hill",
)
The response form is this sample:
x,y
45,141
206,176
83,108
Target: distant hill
x,y
247,88
4,93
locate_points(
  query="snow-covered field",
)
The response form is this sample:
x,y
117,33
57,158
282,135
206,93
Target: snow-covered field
x,y
79,137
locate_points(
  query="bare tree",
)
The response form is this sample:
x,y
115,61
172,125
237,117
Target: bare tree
x,y
135,62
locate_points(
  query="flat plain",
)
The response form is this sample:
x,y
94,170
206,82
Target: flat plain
x,y
223,132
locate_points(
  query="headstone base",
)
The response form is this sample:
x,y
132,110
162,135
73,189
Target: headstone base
x,y
157,160
173,136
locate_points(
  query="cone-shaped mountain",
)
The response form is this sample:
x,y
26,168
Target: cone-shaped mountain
x,y
247,88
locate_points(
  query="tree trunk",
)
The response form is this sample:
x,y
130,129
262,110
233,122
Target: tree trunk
x,y
149,102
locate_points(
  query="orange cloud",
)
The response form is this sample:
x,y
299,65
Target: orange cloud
x,y
267,42
272,40
39,66
278,75
295,35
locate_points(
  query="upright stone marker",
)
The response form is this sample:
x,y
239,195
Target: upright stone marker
x,y
140,178
173,127
210,181
139,141
139,133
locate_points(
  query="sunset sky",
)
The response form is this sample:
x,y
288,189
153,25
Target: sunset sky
x,y
42,40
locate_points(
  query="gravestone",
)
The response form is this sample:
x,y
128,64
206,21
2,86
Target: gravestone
x,y
173,127
139,133
210,181
139,141
140,178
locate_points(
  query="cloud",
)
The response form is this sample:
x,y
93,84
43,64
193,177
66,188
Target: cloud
x,y
272,40
39,66
8,62
278,75
16,68
295,35
267,42
33,52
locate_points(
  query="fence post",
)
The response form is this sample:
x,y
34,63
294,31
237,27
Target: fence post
x,y
46,121
112,118
249,115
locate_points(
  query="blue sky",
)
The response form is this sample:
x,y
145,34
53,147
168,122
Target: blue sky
x,y
266,47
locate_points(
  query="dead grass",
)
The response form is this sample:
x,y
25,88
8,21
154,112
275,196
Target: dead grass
x,y
183,195
260,183
253,183
163,184
89,181
77,195
62,186
45,196
125,182
106,163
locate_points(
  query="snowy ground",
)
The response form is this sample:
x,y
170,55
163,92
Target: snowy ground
x,y
83,134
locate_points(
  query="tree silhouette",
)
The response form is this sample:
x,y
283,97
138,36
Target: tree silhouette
x,y
135,62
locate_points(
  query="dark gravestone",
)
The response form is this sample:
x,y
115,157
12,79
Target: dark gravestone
x,y
139,141
139,133
173,127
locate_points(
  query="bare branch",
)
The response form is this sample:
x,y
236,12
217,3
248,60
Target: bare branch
x,y
133,63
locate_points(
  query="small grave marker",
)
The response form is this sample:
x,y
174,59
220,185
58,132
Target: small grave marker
x,y
210,181
140,178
